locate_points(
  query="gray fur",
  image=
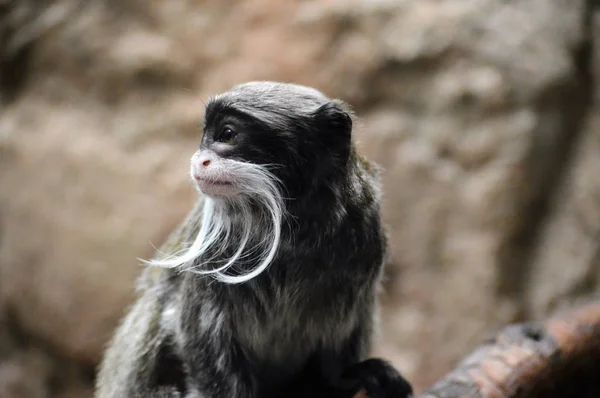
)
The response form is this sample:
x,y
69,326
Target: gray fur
x,y
315,300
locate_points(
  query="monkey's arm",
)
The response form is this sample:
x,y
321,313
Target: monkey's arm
x,y
323,377
130,365
374,376
344,371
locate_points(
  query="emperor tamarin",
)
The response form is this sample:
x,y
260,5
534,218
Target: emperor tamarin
x,y
268,289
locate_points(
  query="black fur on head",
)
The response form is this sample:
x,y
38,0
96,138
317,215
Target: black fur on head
x,y
301,133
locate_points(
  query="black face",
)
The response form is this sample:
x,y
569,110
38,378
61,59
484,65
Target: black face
x,y
235,135
303,150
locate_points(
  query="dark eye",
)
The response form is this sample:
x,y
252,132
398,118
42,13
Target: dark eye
x,y
227,135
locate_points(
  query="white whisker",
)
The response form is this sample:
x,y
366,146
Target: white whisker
x,y
234,224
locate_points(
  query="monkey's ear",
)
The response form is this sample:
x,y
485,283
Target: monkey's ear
x,y
335,126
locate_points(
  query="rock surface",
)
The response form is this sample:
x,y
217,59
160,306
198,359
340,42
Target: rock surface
x,y
485,115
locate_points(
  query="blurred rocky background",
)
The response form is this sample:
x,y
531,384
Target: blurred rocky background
x,y
484,113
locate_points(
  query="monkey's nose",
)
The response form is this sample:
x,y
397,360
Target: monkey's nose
x,y
203,159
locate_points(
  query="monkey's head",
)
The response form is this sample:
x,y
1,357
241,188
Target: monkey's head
x,y
292,135
262,142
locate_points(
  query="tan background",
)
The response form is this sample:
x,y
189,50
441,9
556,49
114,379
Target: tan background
x,y
484,113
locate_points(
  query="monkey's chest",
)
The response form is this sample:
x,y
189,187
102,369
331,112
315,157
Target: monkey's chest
x,y
281,332
288,328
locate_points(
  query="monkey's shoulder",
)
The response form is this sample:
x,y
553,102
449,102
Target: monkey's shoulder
x,y
365,182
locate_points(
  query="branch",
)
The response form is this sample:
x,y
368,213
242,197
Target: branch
x,y
557,358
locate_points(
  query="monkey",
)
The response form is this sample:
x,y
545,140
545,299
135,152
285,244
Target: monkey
x,y
269,287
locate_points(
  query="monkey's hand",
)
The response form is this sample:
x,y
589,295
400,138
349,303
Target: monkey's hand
x,y
377,378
